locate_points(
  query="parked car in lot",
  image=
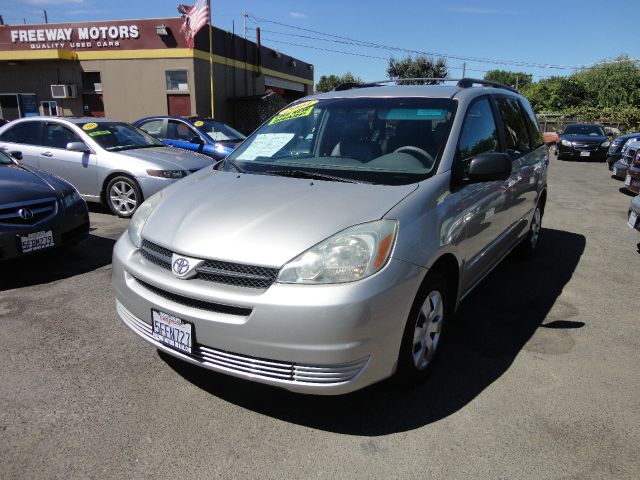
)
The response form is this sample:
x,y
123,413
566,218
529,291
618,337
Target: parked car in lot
x,y
617,147
621,167
634,213
198,134
38,211
353,224
106,160
583,141
632,179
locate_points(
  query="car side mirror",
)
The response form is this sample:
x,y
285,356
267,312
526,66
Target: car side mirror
x,y
489,167
77,147
16,154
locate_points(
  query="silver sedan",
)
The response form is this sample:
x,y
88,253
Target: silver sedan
x,y
107,161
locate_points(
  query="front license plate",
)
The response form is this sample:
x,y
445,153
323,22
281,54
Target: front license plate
x,y
171,331
36,241
633,220
627,180
585,154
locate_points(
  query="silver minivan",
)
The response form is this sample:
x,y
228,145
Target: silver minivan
x,y
332,247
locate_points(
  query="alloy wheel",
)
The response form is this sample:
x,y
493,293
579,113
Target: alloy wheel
x,y
123,197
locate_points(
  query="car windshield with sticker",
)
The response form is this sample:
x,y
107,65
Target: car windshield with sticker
x,y
118,136
373,140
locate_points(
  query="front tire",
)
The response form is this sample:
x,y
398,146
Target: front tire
x,y
529,245
423,331
123,196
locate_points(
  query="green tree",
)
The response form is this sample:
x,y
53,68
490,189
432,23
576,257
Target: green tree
x,y
418,67
511,79
329,82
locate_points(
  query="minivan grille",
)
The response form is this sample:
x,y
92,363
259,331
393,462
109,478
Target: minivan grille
x,y
242,275
34,211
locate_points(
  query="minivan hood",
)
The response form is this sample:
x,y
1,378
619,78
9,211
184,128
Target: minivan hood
x,y
171,158
261,219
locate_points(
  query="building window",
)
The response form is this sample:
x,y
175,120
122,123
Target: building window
x,y
177,80
49,108
91,81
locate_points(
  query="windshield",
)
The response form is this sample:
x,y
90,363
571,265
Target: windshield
x,y
593,130
377,140
117,136
5,159
218,132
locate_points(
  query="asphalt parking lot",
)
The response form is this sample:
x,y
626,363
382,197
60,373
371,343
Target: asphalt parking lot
x,y
539,378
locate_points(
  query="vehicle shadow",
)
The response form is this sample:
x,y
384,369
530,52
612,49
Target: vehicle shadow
x,y
627,192
491,327
48,266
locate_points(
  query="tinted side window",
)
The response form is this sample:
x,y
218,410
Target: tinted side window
x,y
26,132
55,135
479,132
516,132
152,127
179,131
534,127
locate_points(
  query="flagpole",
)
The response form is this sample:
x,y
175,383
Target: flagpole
x,y
211,56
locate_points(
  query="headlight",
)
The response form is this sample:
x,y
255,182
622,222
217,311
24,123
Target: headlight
x,y
71,198
140,218
167,173
566,143
353,254
605,144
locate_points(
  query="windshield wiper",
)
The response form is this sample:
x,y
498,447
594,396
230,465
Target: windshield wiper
x,y
237,167
310,175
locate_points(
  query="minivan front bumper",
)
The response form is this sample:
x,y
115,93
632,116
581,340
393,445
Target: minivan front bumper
x,y
319,339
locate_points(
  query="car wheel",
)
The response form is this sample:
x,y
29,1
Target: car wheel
x,y
123,196
529,245
423,331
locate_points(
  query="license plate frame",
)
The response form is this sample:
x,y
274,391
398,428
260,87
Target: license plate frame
x,y
585,154
633,220
172,331
615,172
31,241
627,180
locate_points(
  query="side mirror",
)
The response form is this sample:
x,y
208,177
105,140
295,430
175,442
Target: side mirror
x,y
16,154
77,147
489,167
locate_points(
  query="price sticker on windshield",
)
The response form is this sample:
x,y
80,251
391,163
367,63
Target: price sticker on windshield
x,y
199,123
300,110
89,126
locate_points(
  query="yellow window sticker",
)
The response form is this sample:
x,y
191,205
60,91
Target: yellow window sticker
x,y
300,110
89,126
199,123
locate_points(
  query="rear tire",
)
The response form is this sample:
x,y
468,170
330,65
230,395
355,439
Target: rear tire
x,y
422,337
123,196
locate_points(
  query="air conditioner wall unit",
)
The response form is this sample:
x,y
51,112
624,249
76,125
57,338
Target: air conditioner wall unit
x,y
64,91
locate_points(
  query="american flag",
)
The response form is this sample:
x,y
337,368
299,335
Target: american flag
x,y
195,17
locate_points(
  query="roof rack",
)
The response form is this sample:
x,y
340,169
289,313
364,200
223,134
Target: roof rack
x,y
461,82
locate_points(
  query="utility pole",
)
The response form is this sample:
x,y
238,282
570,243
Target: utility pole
x,y
245,14
464,69
46,19
1,20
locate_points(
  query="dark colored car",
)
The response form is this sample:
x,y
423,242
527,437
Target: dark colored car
x,y
38,210
634,213
632,180
621,167
615,150
583,141
203,135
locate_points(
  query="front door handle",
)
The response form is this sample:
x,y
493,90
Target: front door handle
x,y
46,154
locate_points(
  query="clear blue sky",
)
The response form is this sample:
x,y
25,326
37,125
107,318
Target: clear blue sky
x,y
561,32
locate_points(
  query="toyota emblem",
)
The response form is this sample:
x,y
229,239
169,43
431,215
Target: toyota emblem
x,y
25,213
180,266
